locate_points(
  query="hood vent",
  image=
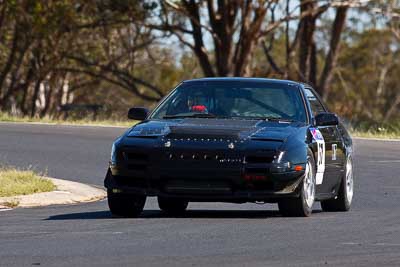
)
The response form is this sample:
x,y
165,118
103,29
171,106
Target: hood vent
x,y
266,139
203,132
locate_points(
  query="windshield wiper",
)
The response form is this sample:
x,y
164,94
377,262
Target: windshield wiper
x,y
277,119
191,115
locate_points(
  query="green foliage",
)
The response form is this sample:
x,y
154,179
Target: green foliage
x,y
366,81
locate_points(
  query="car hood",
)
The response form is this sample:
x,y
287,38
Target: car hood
x,y
215,129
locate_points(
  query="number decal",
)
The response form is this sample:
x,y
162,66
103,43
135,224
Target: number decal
x,y
334,148
319,139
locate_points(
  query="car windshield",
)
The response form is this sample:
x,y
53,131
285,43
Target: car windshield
x,y
233,99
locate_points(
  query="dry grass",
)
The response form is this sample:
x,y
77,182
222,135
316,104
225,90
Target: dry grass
x,y
389,130
11,204
5,117
376,135
15,182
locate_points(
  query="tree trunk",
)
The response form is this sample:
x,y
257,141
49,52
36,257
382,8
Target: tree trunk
x,y
312,75
199,47
25,89
10,60
392,109
326,76
14,86
35,96
307,25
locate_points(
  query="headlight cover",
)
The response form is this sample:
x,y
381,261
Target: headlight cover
x,y
113,156
281,167
280,164
149,131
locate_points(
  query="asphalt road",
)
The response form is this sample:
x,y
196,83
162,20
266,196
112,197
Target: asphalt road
x,y
210,233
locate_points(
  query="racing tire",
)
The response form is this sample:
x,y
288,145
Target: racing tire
x,y
125,205
172,206
301,206
342,201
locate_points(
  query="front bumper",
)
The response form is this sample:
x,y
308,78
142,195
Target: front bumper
x,y
202,174
229,190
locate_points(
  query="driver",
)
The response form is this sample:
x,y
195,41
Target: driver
x,y
194,105
225,106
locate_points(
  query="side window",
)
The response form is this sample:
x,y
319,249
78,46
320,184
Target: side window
x,y
316,106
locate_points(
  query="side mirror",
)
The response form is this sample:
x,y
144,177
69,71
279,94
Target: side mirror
x,y
326,119
138,114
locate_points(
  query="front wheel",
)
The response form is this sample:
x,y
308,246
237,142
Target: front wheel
x,y
342,201
125,205
302,205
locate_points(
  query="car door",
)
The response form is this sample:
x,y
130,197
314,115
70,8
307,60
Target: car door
x,y
333,148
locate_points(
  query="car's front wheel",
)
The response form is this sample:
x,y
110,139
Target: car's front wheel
x,y
172,206
302,206
125,205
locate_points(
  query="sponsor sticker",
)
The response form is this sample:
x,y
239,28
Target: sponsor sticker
x,y
319,139
316,134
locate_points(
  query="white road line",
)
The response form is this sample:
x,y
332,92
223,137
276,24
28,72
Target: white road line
x,y
385,161
6,209
60,232
25,233
351,243
370,244
386,244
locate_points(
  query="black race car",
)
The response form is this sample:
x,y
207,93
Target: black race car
x,y
233,140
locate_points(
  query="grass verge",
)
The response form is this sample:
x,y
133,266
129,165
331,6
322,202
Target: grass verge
x,y
377,130
11,204
367,134
15,182
5,117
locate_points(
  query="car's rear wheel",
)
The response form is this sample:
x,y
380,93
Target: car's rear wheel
x,y
302,206
342,201
172,205
125,205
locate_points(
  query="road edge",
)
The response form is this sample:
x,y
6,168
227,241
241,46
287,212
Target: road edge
x,y
126,127
66,124
377,139
67,192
